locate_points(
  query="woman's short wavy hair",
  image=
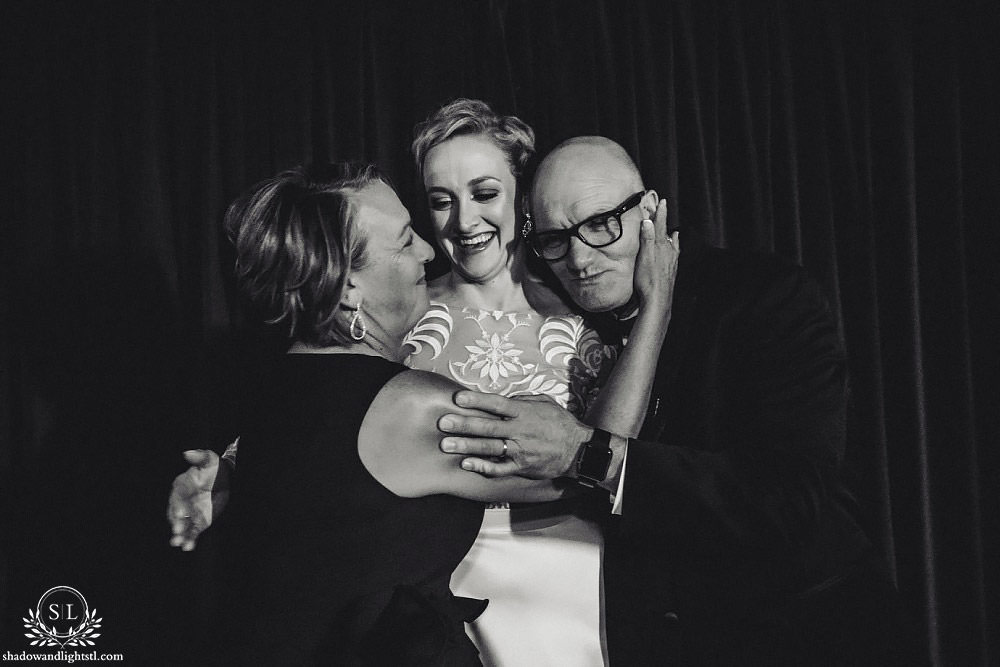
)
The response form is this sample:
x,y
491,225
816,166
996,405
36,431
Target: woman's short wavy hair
x,y
464,116
297,240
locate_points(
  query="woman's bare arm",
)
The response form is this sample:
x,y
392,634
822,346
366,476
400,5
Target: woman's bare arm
x,y
399,438
620,407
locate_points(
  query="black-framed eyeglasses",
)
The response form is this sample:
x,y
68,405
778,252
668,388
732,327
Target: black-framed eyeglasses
x,y
596,231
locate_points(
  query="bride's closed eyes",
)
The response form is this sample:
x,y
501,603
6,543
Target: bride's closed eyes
x,y
479,196
483,196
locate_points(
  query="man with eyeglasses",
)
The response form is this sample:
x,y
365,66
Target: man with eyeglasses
x,y
731,540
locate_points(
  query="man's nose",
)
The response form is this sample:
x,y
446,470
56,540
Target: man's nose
x,y
579,255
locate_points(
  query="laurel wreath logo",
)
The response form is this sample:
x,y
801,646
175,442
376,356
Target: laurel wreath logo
x,y
42,635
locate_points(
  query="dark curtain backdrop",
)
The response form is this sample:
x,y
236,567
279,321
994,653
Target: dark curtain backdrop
x,y
859,138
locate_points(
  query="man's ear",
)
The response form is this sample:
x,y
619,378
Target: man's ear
x,y
648,204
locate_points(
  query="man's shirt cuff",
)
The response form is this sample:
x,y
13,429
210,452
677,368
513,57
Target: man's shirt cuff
x,y
616,498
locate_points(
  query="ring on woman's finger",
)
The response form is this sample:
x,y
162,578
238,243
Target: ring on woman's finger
x,y
503,454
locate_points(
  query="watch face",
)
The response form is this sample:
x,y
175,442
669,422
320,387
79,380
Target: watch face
x,y
595,458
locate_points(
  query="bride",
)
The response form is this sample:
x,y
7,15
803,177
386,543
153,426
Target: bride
x,y
495,327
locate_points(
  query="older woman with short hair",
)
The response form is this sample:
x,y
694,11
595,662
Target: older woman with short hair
x,y
342,540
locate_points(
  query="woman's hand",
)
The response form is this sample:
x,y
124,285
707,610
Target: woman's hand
x,y
656,267
194,496
621,405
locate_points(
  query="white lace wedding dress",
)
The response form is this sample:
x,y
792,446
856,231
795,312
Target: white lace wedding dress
x,y
539,565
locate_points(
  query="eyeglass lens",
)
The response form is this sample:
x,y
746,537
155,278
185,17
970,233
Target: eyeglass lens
x,y
596,233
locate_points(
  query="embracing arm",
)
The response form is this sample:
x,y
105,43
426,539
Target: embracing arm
x,y
621,405
399,438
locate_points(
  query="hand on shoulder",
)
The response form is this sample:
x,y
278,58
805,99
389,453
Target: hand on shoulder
x,y
399,445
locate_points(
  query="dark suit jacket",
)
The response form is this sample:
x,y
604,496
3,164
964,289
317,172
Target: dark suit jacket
x,y
736,537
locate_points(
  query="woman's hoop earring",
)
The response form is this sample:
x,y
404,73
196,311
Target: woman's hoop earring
x,y
357,319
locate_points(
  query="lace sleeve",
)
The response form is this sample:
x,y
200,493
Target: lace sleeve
x,y
231,450
590,369
429,338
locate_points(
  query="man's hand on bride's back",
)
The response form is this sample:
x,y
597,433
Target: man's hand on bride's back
x,y
196,497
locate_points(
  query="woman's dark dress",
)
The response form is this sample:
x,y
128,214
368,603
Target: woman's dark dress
x,y
330,567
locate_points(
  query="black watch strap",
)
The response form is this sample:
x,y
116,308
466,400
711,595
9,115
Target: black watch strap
x,y
594,459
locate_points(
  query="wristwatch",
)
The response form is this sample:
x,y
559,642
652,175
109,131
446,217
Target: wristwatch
x,y
594,459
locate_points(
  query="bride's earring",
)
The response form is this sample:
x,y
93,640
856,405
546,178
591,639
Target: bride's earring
x,y
527,226
358,328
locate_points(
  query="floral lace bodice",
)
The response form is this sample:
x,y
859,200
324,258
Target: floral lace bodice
x,y
512,354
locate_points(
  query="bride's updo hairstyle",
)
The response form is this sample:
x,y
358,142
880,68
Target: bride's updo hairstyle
x,y
297,239
463,117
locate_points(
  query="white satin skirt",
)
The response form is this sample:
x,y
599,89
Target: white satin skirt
x,y
541,572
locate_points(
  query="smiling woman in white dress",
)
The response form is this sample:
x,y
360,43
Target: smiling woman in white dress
x,y
539,565
494,327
